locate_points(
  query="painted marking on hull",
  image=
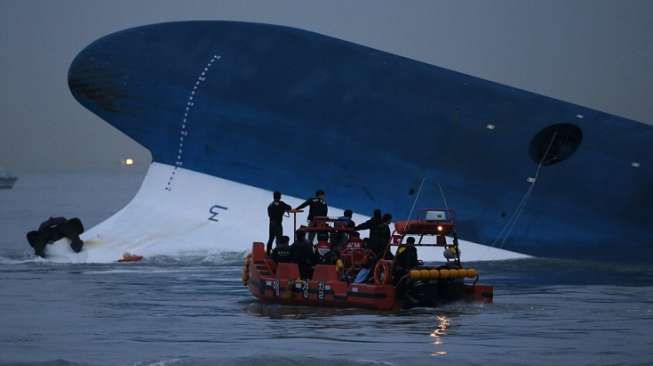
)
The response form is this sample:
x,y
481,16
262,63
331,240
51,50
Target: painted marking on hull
x,y
183,132
215,213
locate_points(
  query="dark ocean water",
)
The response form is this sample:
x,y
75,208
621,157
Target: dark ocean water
x,y
195,311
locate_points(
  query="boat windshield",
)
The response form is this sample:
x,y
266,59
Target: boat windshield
x,y
439,215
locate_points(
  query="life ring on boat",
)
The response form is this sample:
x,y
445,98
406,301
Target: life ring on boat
x,y
383,272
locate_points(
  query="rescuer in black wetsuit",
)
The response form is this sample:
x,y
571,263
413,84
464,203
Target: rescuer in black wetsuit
x,y
381,237
371,224
317,207
282,252
303,254
405,258
276,209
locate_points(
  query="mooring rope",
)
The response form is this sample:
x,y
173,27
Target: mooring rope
x,y
416,198
444,199
505,232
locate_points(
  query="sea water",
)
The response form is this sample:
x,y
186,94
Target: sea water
x,y
193,309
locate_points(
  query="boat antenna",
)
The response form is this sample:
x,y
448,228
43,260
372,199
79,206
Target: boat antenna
x,y
419,191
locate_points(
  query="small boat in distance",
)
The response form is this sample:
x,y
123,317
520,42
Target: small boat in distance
x,y
6,180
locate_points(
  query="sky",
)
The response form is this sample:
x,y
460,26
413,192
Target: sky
x,y
595,53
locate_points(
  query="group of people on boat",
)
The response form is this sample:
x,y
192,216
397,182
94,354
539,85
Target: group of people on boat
x,y
332,244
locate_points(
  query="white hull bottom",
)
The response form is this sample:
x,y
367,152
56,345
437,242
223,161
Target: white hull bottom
x,y
203,215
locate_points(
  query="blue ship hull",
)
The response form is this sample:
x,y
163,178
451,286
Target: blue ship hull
x,y
286,109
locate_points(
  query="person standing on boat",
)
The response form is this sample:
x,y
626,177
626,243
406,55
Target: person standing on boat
x,y
317,207
381,238
276,209
371,224
303,254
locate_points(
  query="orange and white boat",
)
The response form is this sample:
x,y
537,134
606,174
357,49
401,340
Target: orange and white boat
x,y
385,290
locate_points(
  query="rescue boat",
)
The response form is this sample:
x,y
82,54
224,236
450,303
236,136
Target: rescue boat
x,y
386,289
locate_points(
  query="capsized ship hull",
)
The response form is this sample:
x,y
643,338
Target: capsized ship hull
x,y
277,108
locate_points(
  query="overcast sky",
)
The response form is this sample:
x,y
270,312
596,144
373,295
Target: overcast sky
x,y
594,53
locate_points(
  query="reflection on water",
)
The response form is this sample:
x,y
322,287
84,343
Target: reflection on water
x,y
439,332
441,329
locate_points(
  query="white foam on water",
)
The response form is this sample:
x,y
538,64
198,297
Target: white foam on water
x,y
200,213
6,260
